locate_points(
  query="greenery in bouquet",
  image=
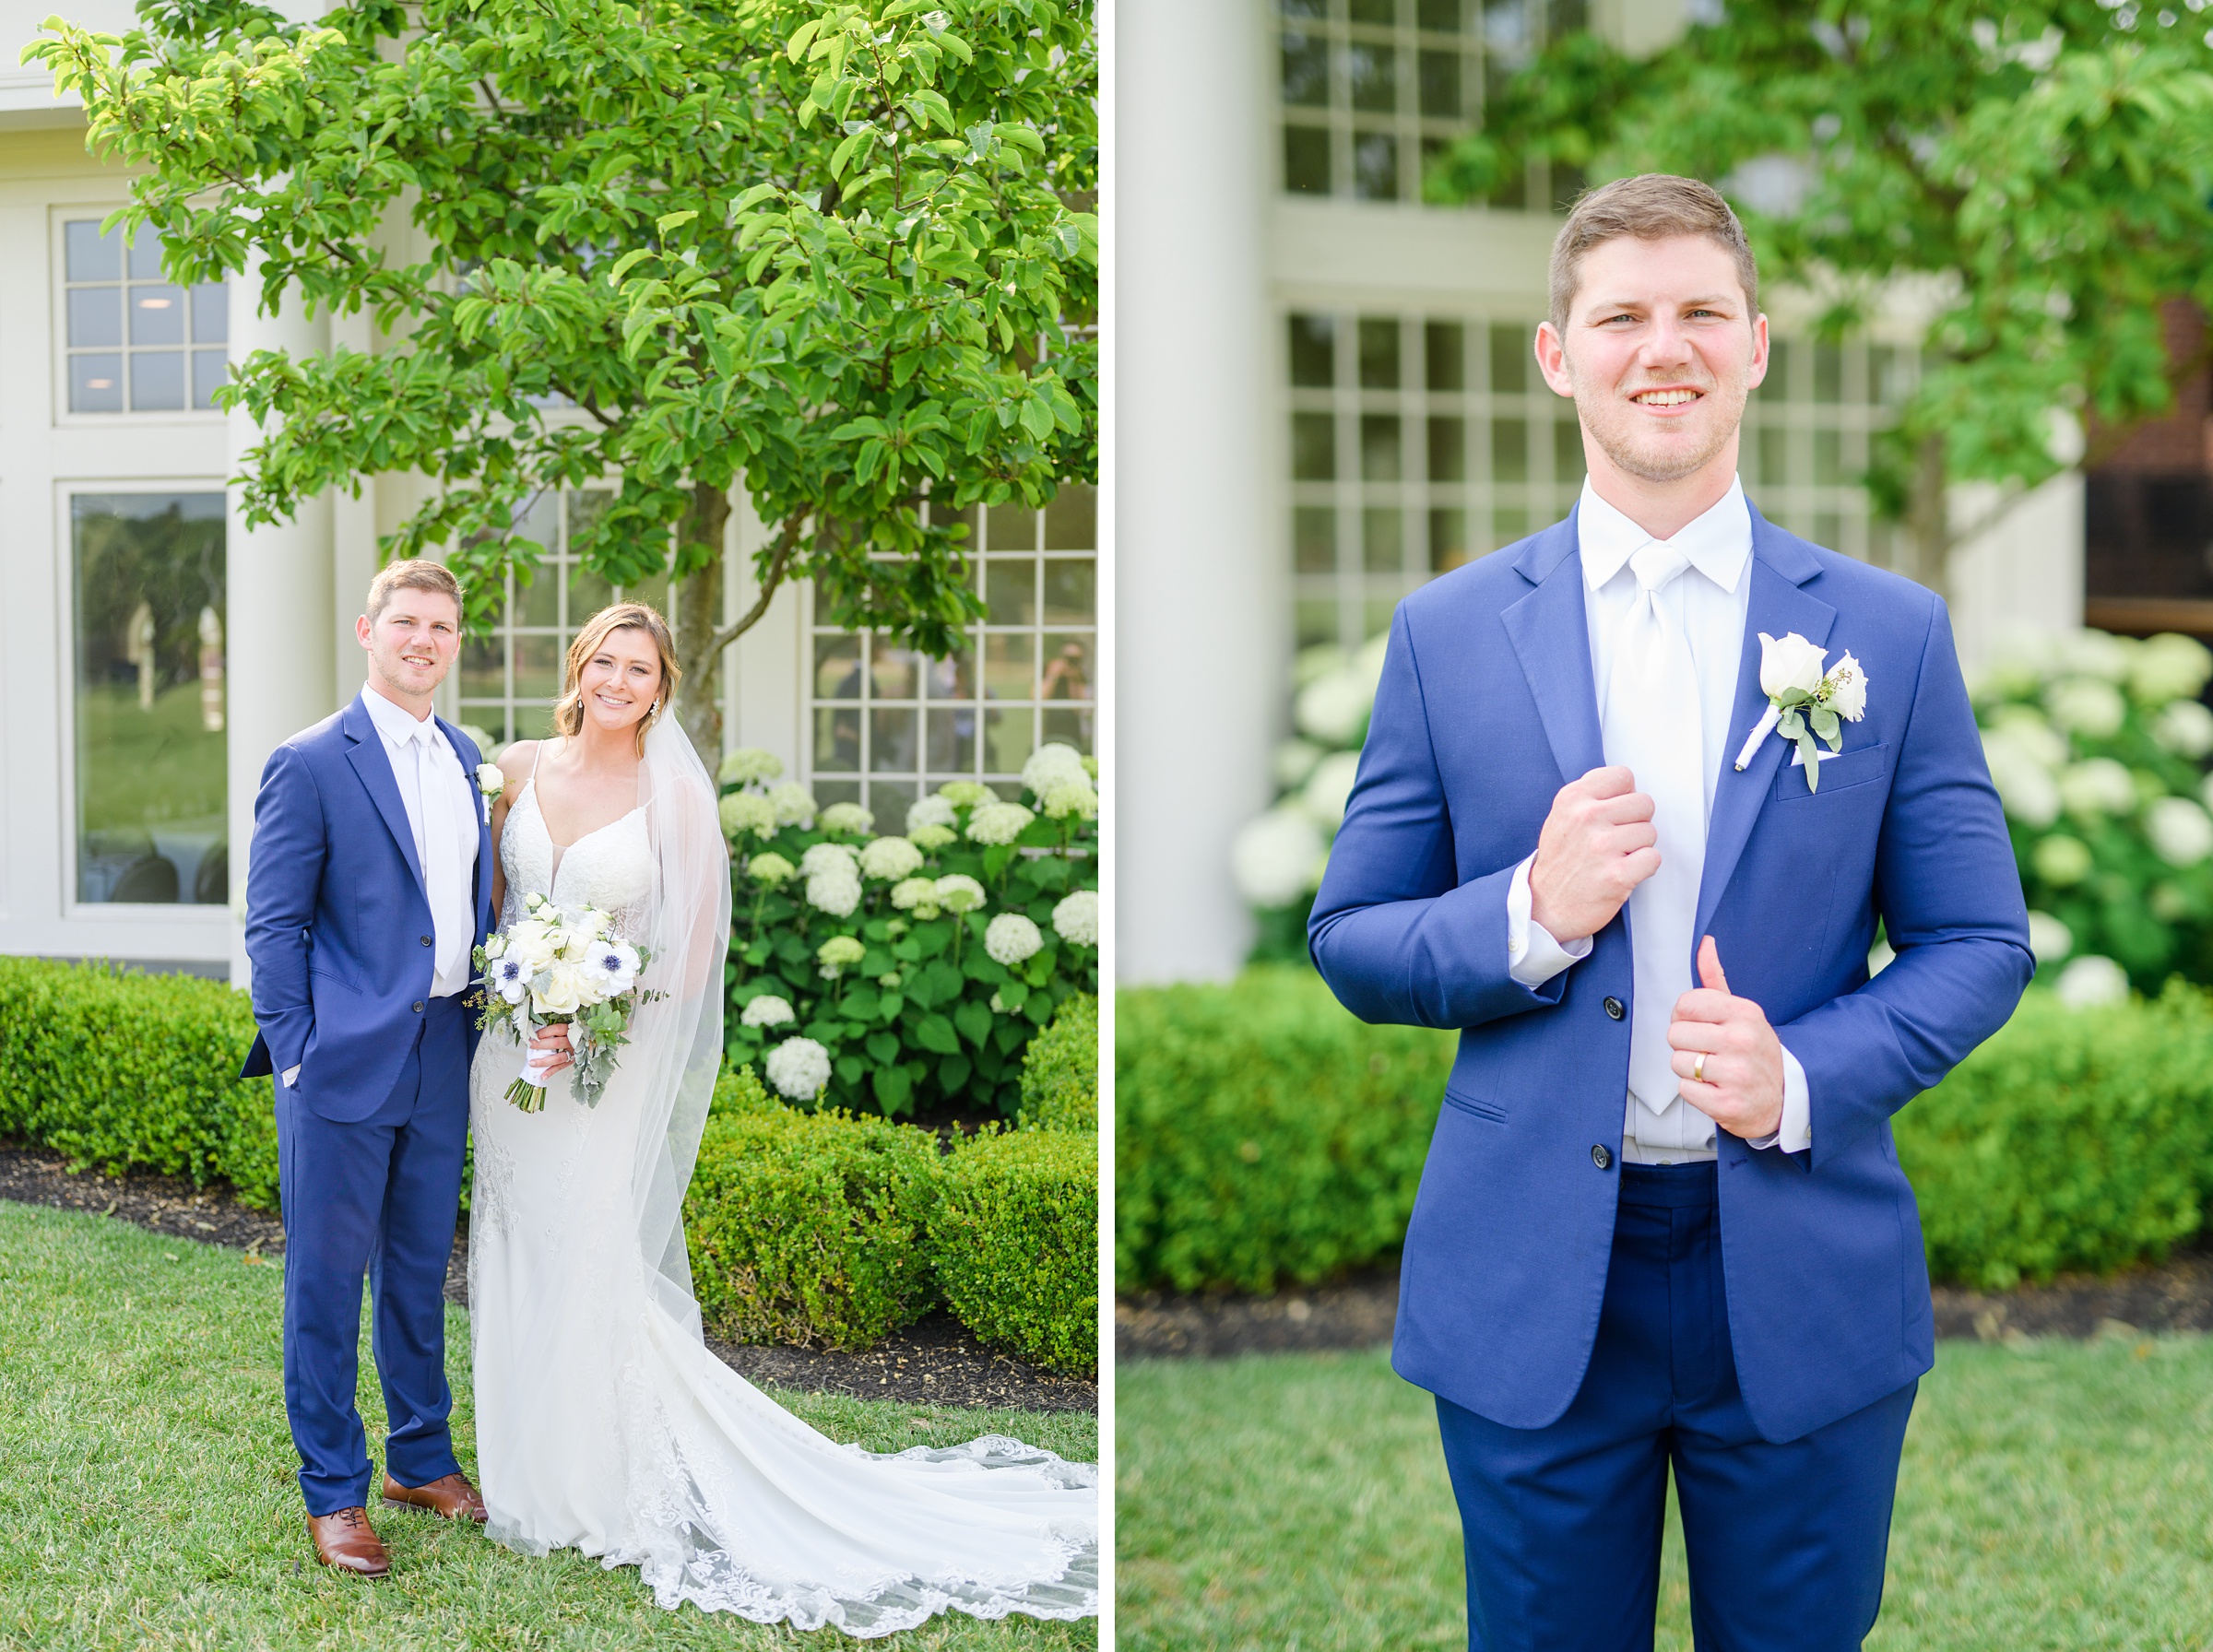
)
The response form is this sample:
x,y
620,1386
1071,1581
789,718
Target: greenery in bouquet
x,y
2098,745
560,966
1279,856
907,973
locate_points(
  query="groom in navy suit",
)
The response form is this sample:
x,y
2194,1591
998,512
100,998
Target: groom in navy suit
x,y
369,888
1663,1225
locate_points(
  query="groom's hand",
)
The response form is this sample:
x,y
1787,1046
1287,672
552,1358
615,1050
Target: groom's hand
x,y
1742,1087
555,1038
1598,844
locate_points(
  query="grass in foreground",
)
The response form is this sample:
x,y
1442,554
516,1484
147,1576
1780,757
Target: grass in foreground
x,y
2054,1495
146,1497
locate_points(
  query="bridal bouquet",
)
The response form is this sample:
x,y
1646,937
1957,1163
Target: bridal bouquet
x,y
562,964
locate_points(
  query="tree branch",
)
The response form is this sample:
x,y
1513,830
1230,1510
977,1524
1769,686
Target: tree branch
x,y
771,582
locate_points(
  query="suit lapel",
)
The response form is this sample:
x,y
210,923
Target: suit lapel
x,y
1780,565
374,766
1553,641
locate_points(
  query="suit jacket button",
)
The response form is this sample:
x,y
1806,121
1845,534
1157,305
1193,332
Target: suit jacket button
x,y
418,1006
426,940
1600,1157
1614,1011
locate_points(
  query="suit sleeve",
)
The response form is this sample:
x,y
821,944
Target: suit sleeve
x,y
284,876
1393,931
1950,898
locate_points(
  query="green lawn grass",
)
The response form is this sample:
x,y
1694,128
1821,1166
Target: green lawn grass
x,y
146,1497
2054,1495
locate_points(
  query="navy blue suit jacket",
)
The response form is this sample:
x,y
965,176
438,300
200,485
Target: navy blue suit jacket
x,y
1485,711
336,913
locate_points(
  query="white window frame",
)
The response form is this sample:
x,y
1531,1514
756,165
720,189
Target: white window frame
x,y
57,265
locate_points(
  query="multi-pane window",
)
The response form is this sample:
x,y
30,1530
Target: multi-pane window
x,y
1371,89
887,725
134,342
147,700
510,680
1420,441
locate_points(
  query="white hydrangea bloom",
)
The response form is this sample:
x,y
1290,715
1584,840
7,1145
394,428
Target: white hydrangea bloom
x,y
835,892
932,811
2095,654
1330,787
1076,919
2181,831
959,892
1295,760
966,794
1009,938
890,860
792,802
2097,787
2049,938
828,857
2185,728
2061,860
767,1010
836,954
2087,705
747,765
848,816
998,823
2168,667
1062,799
771,870
2027,730
799,1067
1052,762
917,895
931,838
2090,981
1276,858
1333,709
747,812
2025,785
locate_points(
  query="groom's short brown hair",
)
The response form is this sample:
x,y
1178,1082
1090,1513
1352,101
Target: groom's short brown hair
x,y
414,574
1652,206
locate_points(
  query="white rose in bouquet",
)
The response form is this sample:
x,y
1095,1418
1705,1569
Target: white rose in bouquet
x,y
561,991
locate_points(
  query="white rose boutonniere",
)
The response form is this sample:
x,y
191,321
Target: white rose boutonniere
x,y
1807,701
490,783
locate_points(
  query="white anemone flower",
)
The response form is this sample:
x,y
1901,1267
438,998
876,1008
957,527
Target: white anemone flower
x,y
793,803
799,1067
1274,859
998,823
767,1010
959,892
1076,919
2090,981
932,811
2181,831
613,967
890,860
509,978
1010,939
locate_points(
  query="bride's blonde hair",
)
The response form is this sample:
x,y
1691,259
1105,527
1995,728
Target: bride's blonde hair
x,y
568,713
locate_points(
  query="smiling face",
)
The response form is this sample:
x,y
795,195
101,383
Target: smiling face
x,y
1661,350
620,680
412,642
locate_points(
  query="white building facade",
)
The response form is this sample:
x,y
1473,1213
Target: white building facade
x,y
160,649
1326,396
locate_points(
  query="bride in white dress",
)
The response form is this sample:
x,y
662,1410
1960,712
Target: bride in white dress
x,y
603,1422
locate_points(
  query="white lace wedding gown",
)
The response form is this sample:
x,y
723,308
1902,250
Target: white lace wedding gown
x,y
605,1425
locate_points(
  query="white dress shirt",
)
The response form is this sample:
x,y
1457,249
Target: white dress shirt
x,y
1709,601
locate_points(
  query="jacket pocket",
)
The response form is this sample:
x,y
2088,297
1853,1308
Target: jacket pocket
x,y
1468,1104
1840,773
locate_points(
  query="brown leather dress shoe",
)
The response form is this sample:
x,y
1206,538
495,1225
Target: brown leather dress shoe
x,y
450,1495
348,1541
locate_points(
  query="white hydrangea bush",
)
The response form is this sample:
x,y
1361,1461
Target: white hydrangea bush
x,y
905,970
2098,745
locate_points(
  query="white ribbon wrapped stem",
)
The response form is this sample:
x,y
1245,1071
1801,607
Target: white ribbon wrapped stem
x,y
1760,731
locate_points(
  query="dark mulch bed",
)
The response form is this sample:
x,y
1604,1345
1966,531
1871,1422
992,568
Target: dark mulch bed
x,y
1358,1312
934,1361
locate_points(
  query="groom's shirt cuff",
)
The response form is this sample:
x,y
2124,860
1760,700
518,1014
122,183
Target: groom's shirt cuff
x,y
291,1075
1532,957
1796,1134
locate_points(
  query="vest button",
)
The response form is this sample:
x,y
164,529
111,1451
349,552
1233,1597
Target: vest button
x,y
418,1006
1600,1157
1614,1011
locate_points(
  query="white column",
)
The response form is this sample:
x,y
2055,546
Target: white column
x,y
2023,572
279,638
1201,625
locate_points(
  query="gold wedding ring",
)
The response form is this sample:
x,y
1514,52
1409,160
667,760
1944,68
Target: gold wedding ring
x,y
1697,1069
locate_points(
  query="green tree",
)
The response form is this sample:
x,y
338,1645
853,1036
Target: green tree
x,y
2038,171
838,253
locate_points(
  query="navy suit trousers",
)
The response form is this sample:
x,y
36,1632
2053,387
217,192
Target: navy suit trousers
x,y
1786,1543
377,1197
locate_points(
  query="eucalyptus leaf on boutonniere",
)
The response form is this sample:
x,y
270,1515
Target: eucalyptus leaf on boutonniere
x,y
1807,701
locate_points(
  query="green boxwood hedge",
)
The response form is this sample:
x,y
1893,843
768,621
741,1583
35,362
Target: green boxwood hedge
x,y
1261,1133
1014,1238
1060,1071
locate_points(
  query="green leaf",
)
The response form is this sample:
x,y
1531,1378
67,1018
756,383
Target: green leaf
x,y
974,1018
1827,727
669,221
935,1033
893,1089
883,1047
1810,753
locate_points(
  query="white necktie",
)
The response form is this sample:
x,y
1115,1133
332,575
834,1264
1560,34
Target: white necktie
x,y
441,853
1653,726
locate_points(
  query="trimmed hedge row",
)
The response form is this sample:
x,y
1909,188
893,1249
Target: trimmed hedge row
x,y
804,1227
1060,1072
1264,1133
